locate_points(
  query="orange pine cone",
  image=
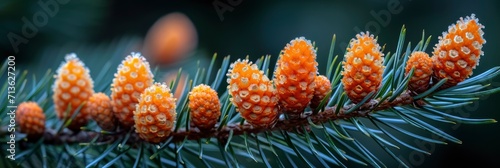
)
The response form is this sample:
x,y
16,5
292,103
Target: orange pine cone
x,y
133,77
155,114
294,75
363,67
422,63
458,51
253,94
31,119
73,86
99,108
323,86
205,106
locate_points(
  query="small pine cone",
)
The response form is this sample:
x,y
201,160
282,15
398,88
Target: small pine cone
x,y
155,114
99,106
133,77
323,86
363,67
253,94
422,63
31,119
205,107
294,75
73,86
458,51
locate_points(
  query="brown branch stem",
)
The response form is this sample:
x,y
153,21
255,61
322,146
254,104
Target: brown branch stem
x,y
51,137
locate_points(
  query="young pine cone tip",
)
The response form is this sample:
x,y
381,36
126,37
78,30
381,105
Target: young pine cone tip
x,y
132,78
253,94
205,106
294,75
31,119
422,63
362,67
99,108
458,51
72,87
155,113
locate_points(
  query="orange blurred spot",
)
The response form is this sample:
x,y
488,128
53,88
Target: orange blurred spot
x,y
170,39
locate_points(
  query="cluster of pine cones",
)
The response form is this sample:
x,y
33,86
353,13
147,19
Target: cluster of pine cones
x,y
136,101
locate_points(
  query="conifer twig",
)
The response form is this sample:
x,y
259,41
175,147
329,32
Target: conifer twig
x,y
372,106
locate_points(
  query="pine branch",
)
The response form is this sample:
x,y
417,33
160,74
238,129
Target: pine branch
x,y
52,137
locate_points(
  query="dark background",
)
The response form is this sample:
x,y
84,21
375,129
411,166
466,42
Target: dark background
x,y
264,27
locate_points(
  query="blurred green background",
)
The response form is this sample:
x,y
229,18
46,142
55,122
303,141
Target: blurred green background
x,y
101,30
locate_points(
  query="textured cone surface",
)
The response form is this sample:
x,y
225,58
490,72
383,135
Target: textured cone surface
x,y
294,75
458,51
133,77
99,106
31,119
253,94
155,114
205,106
323,86
363,67
422,63
73,86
